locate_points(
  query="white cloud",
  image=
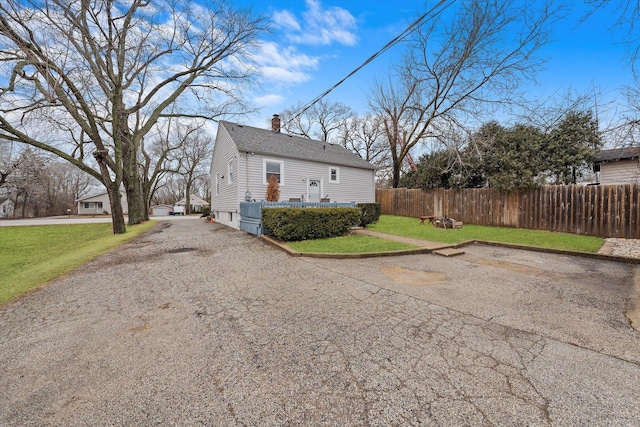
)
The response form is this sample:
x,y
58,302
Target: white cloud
x,y
286,20
268,100
284,65
320,26
277,74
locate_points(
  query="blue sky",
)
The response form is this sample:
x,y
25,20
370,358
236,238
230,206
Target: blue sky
x,y
315,43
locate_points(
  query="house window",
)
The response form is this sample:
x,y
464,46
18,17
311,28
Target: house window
x,y
88,205
230,172
334,175
273,167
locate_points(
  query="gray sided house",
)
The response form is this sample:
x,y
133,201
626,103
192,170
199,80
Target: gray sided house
x,y
99,204
618,166
6,207
195,202
307,170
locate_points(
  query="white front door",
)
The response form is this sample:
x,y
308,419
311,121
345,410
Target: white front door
x,y
314,190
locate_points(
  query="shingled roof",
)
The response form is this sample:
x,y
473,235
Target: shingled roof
x,y
263,141
615,154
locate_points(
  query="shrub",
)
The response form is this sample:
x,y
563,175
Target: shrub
x,y
273,189
206,211
293,224
370,213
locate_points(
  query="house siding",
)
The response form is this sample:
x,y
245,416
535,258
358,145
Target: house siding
x,y
224,195
620,172
6,209
356,183
106,205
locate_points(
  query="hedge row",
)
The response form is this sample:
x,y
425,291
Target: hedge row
x,y
370,213
293,224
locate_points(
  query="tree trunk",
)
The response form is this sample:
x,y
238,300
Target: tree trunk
x,y
113,190
396,175
146,194
24,205
132,183
117,214
187,200
146,209
135,199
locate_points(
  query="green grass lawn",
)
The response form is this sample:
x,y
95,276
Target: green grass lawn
x,y
33,255
410,227
348,245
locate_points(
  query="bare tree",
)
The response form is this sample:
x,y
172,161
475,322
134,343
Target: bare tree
x,y
321,121
365,137
8,162
193,159
628,21
457,65
28,183
169,190
629,132
202,187
627,25
42,185
87,81
64,185
158,156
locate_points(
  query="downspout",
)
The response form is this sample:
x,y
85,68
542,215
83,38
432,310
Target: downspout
x,y
247,193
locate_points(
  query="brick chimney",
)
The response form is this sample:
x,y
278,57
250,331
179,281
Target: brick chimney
x,y
275,123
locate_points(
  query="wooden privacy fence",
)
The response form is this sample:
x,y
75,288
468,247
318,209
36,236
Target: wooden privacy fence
x,y
606,211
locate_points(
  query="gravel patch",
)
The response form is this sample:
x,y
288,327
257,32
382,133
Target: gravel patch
x,y
628,248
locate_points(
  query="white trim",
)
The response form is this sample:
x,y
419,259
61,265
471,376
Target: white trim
x,y
264,170
230,172
337,180
217,189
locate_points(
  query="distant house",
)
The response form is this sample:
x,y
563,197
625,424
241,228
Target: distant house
x,y
161,210
244,157
196,203
618,166
6,207
99,204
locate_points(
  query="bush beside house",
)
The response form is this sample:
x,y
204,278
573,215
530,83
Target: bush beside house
x,y
293,224
370,213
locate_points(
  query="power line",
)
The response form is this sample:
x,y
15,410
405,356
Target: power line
x,y
386,47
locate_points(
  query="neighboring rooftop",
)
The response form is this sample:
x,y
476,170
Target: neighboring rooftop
x,y
615,154
193,200
265,141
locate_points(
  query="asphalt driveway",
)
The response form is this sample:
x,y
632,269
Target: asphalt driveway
x,y
198,324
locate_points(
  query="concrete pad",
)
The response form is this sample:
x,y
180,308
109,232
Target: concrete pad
x,y
449,252
607,248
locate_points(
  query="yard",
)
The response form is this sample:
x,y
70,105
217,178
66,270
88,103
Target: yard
x,y
31,256
411,227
